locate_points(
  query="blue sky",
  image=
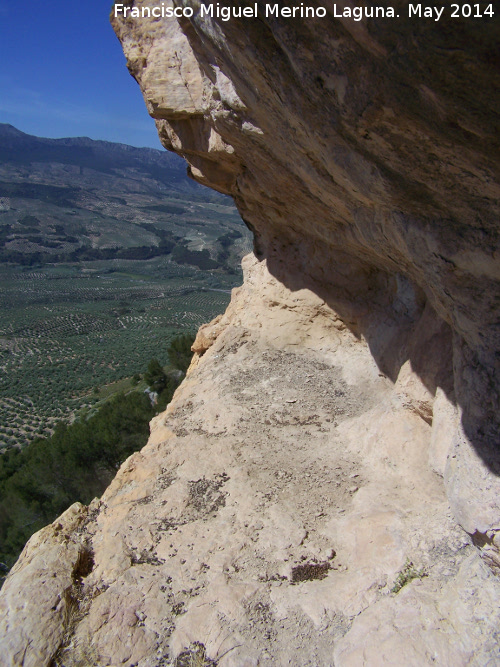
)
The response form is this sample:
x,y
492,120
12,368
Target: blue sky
x,y
63,73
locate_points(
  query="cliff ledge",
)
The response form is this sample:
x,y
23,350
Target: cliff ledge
x,y
324,488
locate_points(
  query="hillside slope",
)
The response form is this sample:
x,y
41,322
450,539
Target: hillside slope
x,y
323,489
75,199
91,232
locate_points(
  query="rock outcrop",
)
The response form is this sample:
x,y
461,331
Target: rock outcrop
x,y
324,487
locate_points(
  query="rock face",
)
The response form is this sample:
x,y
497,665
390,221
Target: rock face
x,y
324,487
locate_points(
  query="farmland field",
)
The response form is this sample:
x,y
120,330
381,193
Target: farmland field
x,y
68,333
107,252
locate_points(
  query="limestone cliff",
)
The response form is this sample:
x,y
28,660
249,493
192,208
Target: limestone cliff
x,y
337,435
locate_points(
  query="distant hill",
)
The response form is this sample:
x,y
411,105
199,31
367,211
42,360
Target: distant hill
x,y
18,148
75,199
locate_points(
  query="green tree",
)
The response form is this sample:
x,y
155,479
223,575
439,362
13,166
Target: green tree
x,y
166,395
155,376
77,462
179,351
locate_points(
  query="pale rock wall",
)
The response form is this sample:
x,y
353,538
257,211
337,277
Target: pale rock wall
x,y
340,419
364,156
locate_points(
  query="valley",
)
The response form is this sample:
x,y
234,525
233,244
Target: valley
x,y
107,252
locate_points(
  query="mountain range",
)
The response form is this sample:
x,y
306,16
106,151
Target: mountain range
x,y
68,200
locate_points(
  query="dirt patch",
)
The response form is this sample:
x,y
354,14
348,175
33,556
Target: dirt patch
x,y
309,572
205,496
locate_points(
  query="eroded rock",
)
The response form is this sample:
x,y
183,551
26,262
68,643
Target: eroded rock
x,y
340,420
278,500
363,155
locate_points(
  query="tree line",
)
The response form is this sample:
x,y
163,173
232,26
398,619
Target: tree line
x,y
169,244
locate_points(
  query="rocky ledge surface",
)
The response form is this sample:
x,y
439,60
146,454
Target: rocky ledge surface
x,y
324,487
289,508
